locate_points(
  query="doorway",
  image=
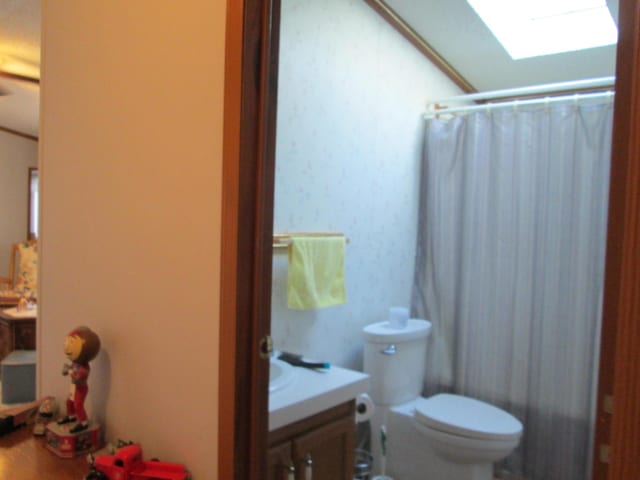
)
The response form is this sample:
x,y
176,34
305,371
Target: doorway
x,y
250,192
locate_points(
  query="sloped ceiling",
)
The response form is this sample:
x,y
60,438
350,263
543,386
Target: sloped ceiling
x,y
20,37
455,31
451,27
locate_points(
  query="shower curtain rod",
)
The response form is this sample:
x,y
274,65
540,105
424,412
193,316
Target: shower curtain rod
x,y
518,103
532,90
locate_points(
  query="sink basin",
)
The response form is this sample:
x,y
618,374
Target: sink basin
x,y
307,392
281,374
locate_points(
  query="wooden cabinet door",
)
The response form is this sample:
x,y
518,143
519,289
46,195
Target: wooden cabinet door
x,y
327,452
25,336
6,340
279,462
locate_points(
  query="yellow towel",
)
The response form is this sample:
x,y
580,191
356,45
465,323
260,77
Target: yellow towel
x,y
316,272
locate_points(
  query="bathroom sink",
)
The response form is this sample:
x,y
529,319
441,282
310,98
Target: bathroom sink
x,y
281,374
303,392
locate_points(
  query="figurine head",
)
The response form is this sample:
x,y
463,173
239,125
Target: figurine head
x,y
81,345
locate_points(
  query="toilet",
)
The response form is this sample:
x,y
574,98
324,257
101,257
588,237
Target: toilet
x,y
443,437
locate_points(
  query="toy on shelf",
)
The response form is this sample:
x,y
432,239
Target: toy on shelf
x,y
45,414
72,435
127,464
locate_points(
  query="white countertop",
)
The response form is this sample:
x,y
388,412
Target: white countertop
x,y
29,313
313,391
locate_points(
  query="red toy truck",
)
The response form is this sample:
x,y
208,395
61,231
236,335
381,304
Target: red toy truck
x,y
127,464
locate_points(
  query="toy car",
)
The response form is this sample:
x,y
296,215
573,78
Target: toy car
x,y
127,464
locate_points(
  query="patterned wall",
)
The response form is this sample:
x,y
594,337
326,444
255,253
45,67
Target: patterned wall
x,y
17,155
351,96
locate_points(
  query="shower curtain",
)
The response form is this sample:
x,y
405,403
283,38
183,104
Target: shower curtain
x,y
509,269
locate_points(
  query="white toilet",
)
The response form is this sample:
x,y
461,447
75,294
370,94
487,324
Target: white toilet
x,y
443,437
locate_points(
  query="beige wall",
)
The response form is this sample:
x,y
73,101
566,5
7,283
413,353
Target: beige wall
x,y
131,158
17,154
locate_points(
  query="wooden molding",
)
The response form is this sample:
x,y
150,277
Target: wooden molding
x,y
19,134
247,229
420,43
618,427
15,76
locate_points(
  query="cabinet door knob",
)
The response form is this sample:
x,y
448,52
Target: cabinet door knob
x,y
290,473
308,468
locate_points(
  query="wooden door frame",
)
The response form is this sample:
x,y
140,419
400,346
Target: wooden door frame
x,y
619,377
251,61
248,181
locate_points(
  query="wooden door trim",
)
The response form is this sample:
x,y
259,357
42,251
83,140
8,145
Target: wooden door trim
x,y
252,33
415,39
19,134
620,341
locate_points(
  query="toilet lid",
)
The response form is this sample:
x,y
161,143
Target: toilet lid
x,y
467,417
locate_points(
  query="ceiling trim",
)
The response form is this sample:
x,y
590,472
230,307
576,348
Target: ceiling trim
x,y
19,134
417,41
15,76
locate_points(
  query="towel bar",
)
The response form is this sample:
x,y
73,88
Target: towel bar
x,y
283,240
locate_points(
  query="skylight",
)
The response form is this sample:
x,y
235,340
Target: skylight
x,y
532,28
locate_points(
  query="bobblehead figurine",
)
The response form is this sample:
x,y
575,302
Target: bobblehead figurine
x,y
81,346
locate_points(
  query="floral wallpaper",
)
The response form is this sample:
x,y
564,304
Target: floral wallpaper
x,y
351,96
26,275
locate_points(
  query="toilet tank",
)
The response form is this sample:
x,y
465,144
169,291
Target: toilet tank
x,y
395,360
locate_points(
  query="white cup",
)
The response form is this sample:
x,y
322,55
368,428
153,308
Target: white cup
x,y
398,317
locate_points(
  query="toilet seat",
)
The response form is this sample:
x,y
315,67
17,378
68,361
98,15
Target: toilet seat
x,y
468,417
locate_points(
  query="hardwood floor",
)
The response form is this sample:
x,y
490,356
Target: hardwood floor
x,y
24,457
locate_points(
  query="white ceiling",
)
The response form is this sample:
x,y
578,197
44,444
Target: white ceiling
x,y
455,31
20,106
451,27
20,55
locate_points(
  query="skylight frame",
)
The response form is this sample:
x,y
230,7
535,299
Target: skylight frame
x,y
533,28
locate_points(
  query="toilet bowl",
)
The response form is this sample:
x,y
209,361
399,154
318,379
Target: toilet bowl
x,y
442,437
466,430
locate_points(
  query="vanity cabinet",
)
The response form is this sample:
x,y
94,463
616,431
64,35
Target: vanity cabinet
x,y
320,447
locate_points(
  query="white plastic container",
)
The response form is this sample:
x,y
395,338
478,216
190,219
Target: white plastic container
x,y
398,317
